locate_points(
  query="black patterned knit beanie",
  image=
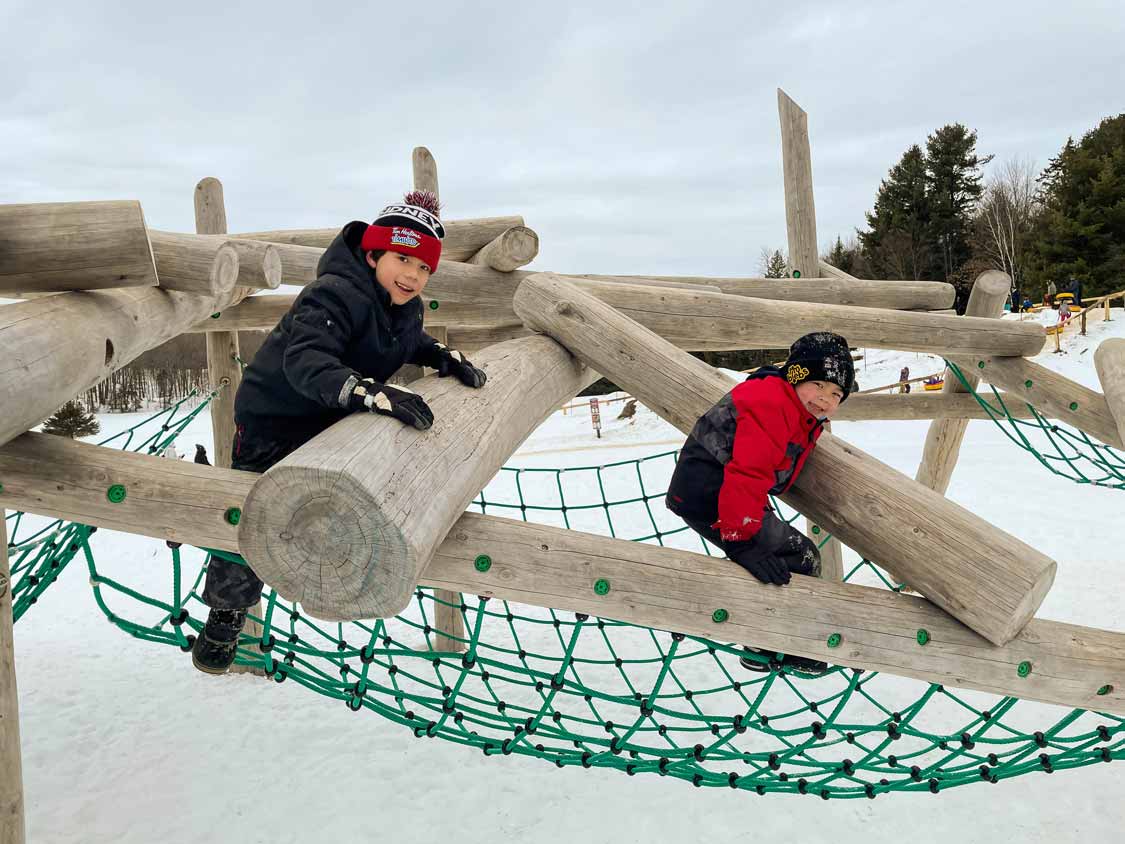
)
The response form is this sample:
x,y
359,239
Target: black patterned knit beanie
x,y
821,356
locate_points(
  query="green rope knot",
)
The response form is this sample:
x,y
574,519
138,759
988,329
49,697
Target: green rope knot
x,y
116,493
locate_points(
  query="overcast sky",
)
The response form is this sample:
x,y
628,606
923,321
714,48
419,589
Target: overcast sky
x,y
631,141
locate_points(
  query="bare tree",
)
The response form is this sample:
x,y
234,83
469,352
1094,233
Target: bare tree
x,y
1005,216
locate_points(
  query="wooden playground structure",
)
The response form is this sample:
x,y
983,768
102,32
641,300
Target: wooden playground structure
x,y
321,527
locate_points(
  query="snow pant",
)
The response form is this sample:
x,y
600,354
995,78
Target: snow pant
x,y
230,586
798,552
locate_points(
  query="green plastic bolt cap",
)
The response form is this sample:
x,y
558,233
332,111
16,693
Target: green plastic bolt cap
x,y
483,562
1074,405
834,640
980,364
1105,690
816,529
1024,668
1027,383
233,516
719,616
923,636
796,273
433,304
601,586
116,493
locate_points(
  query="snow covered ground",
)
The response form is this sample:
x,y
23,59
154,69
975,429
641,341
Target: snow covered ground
x,y
125,742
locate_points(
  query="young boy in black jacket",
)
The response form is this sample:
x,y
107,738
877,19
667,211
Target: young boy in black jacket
x,y
331,355
753,444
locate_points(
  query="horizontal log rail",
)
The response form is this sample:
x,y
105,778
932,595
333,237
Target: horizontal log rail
x,y
550,567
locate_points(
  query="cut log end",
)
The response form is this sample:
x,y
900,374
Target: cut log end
x,y
224,270
336,552
271,267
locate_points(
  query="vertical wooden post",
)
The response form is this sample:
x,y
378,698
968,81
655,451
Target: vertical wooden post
x,y
804,257
11,766
800,211
446,618
1082,316
943,440
223,367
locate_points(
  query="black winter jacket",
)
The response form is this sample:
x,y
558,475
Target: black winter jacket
x,y
341,328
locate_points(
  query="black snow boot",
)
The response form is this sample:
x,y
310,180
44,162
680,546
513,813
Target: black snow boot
x,y
764,661
215,648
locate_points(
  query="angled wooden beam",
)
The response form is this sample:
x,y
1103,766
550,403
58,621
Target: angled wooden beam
x,y
88,335
57,246
989,580
515,248
921,405
346,522
943,439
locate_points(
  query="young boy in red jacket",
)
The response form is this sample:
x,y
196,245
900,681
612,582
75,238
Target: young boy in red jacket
x,y
753,444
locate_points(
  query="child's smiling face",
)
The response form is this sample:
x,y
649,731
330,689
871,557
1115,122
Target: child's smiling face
x,y
402,276
820,398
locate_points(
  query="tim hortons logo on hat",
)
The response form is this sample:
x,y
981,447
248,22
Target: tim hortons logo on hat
x,y
796,374
404,237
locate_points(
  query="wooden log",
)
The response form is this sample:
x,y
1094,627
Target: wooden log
x,y
260,266
943,439
678,591
1109,361
827,269
800,210
223,352
58,246
12,828
425,171
864,293
204,266
1052,394
712,322
166,499
463,238
515,248
920,405
990,581
345,523
545,566
89,335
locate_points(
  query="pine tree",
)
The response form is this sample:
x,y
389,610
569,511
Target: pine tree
x,y
842,257
774,264
1081,232
72,420
953,186
897,244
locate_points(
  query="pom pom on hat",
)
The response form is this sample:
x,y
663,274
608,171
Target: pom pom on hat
x,y
408,228
821,356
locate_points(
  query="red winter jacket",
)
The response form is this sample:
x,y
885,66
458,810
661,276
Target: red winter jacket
x,y
750,445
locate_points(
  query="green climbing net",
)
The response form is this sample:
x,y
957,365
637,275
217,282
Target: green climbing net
x,y
574,690
1061,449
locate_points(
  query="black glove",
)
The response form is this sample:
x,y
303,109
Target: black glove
x,y
452,362
775,551
403,404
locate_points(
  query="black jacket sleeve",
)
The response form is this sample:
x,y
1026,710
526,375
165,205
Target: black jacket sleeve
x,y
428,352
321,330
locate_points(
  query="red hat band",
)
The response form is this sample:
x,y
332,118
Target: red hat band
x,y
404,241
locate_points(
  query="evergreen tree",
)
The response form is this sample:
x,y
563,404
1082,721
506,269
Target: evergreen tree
x,y
72,420
842,257
953,186
774,264
1081,232
897,243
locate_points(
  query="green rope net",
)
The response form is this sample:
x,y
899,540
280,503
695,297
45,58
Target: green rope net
x,y
1062,449
579,691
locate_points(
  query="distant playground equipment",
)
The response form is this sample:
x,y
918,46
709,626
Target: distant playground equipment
x,y
934,382
568,641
